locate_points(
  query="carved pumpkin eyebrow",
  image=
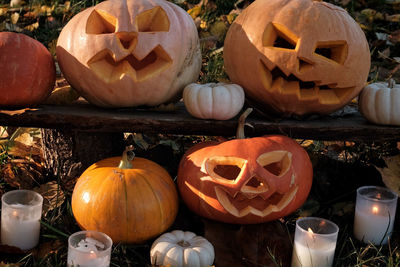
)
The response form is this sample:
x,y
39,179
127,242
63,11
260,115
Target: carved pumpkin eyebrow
x,y
100,22
153,20
278,36
276,162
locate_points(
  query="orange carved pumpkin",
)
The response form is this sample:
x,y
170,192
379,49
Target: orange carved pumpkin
x,y
130,52
297,57
27,71
129,200
245,181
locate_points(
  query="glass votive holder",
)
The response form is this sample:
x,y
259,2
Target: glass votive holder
x,y
21,211
374,214
89,249
314,242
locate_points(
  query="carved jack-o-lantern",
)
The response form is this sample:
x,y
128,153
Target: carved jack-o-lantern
x,y
297,57
130,52
245,180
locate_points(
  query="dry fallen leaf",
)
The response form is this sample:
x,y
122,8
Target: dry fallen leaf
x,y
14,18
391,174
53,196
2,264
21,173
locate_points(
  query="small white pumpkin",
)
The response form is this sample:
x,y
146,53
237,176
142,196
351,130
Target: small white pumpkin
x,y
380,103
219,101
181,249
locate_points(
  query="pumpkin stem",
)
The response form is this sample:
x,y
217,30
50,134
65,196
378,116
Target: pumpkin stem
x,y
183,243
242,123
391,83
127,157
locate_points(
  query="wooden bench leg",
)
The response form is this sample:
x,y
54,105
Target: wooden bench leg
x,y
68,153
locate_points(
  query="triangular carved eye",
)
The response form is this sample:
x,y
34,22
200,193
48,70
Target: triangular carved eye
x,y
278,36
224,168
153,20
100,22
334,50
276,162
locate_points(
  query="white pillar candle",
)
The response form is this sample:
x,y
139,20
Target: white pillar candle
x,y
314,242
89,249
21,211
374,214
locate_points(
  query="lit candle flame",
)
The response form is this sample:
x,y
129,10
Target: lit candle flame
x,y
378,196
310,230
15,213
375,210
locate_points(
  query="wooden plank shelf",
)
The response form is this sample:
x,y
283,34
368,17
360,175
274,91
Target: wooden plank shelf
x,y
85,117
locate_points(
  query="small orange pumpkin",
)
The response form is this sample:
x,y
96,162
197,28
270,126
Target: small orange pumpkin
x,y
245,181
27,71
129,200
297,57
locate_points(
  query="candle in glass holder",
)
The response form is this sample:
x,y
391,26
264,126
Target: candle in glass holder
x,y
314,242
89,249
374,214
21,211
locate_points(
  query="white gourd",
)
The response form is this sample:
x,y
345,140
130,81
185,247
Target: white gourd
x,y
219,101
181,249
380,103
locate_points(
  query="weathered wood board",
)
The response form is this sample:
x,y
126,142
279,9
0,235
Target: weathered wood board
x,y
85,117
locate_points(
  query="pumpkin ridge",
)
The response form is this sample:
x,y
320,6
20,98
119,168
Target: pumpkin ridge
x,y
124,185
162,216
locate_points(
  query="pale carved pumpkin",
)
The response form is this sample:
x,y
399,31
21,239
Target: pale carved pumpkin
x,y
297,57
245,181
181,249
219,101
130,52
379,103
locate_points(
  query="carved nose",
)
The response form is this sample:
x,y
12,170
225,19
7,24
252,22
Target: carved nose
x,y
255,186
127,40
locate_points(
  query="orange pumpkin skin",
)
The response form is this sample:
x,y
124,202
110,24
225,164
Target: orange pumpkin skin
x,y
274,180
129,205
27,71
297,57
124,53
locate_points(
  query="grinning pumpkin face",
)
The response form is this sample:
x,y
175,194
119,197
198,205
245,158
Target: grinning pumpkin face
x,y
130,53
245,180
297,57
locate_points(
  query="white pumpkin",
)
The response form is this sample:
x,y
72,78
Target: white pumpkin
x,y
380,103
219,101
181,249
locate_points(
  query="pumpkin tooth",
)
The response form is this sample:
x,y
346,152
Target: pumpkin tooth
x,y
229,204
109,69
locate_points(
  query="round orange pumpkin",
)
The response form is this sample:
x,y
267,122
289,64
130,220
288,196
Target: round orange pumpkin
x,y
27,71
297,57
129,200
130,53
245,181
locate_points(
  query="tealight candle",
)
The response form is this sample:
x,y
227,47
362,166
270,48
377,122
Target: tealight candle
x,y
374,214
314,242
89,249
21,211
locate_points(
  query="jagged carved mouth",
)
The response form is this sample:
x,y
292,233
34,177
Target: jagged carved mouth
x,y
239,205
109,70
275,80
